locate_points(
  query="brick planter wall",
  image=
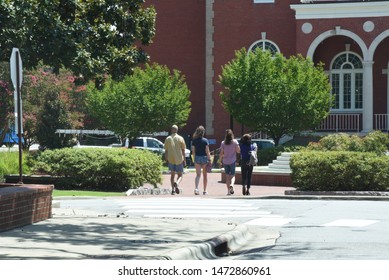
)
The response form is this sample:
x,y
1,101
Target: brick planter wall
x,y
22,205
263,179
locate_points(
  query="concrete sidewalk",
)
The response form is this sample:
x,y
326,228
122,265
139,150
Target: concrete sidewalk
x,y
81,234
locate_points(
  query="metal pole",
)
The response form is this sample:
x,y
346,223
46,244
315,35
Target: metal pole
x,y
19,117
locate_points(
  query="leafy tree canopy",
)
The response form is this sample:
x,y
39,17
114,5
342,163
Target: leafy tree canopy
x,y
40,86
150,100
274,94
89,37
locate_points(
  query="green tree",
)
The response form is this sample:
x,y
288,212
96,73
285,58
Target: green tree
x,y
273,94
38,87
150,100
89,37
53,116
6,109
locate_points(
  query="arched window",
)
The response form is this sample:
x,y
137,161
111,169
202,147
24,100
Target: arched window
x,y
347,82
265,45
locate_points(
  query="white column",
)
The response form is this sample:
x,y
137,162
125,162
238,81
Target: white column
x,y
386,72
209,72
367,96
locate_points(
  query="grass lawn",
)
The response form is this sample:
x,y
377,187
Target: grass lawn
x,y
76,193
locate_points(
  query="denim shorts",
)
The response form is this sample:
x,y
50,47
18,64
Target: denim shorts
x,y
201,160
176,167
229,168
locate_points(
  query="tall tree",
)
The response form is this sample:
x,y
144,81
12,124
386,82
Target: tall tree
x,y
89,37
150,100
38,86
273,94
52,116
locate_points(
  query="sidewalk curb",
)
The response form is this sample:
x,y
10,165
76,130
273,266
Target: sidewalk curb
x,y
214,248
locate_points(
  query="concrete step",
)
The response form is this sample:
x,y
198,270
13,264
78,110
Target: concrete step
x,y
287,154
282,158
278,166
280,162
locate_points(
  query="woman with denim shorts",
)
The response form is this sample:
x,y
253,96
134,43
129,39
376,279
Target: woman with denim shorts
x,y
228,154
202,156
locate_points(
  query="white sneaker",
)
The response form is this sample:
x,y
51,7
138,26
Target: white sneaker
x,y
196,192
205,193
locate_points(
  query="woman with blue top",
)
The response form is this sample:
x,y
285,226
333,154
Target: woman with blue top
x,y
202,156
247,169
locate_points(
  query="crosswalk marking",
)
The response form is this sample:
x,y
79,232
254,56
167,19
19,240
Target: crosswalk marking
x,y
220,209
270,221
350,223
192,208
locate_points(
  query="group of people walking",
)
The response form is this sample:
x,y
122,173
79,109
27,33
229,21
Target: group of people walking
x,y
230,152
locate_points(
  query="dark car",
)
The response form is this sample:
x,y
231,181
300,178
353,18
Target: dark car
x,y
262,143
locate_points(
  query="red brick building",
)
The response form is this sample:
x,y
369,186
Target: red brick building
x,y
351,38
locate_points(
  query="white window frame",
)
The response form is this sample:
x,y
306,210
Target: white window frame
x,y
341,73
263,1
263,41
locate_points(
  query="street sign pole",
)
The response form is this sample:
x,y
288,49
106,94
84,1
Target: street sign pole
x,y
16,76
19,118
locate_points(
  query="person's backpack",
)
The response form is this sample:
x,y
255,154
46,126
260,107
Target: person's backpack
x,y
253,155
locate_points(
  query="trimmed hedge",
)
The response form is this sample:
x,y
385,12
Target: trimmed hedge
x,y
339,171
100,169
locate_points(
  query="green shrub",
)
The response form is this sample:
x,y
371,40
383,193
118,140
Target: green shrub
x,y
9,164
375,142
100,169
340,171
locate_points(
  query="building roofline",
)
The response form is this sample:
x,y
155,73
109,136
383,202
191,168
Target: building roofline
x,y
341,10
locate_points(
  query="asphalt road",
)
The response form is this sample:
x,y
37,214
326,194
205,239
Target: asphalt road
x,y
309,229
327,230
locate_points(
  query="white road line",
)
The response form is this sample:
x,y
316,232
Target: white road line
x,y
168,211
194,202
205,215
188,207
270,221
192,208
350,223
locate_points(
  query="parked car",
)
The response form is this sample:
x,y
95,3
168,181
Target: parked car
x,y
262,143
154,145
147,143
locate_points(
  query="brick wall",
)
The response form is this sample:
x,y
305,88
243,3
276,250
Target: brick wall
x,y
179,43
263,179
24,205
